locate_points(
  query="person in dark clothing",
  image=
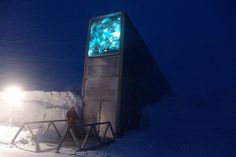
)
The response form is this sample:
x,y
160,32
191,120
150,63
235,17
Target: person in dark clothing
x,y
72,117
72,120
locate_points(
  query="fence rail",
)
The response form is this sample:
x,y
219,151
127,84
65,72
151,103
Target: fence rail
x,y
27,125
82,143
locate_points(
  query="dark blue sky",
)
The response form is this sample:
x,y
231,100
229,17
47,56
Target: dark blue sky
x,y
42,42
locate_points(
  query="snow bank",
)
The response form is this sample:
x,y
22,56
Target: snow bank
x,y
40,105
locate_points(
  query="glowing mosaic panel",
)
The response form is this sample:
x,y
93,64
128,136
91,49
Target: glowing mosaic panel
x,y
105,35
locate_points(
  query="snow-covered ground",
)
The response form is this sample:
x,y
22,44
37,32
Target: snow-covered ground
x,y
167,130
134,144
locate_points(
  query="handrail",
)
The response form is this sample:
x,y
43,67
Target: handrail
x,y
26,124
92,127
101,139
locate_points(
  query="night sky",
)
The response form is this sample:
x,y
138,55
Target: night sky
x,y
42,43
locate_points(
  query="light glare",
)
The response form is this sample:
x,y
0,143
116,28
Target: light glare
x,y
13,95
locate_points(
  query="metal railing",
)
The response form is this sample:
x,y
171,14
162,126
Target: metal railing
x,y
81,143
101,140
27,125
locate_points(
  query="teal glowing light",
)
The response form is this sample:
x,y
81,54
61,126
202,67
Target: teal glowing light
x,y
105,35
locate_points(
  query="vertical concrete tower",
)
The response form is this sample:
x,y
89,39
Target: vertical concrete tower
x,y
120,76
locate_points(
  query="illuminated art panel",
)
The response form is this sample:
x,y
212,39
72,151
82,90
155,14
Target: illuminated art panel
x,y
105,35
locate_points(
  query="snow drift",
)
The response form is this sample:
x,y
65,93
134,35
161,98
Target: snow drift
x,y
40,105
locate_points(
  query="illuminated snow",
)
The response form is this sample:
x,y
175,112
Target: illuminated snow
x,y
7,133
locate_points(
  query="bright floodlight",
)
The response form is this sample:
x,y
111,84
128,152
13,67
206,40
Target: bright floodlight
x,y
13,95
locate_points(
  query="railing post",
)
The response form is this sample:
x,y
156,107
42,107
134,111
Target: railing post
x,y
112,131
58,133
46,130
105,133
95,131
18,132
85,139
74,137
63,139
30,130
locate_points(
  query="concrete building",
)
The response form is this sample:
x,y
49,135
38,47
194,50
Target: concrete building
x,y
120,75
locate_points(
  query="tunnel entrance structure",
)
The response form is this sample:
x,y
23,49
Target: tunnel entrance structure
x,y
120,75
